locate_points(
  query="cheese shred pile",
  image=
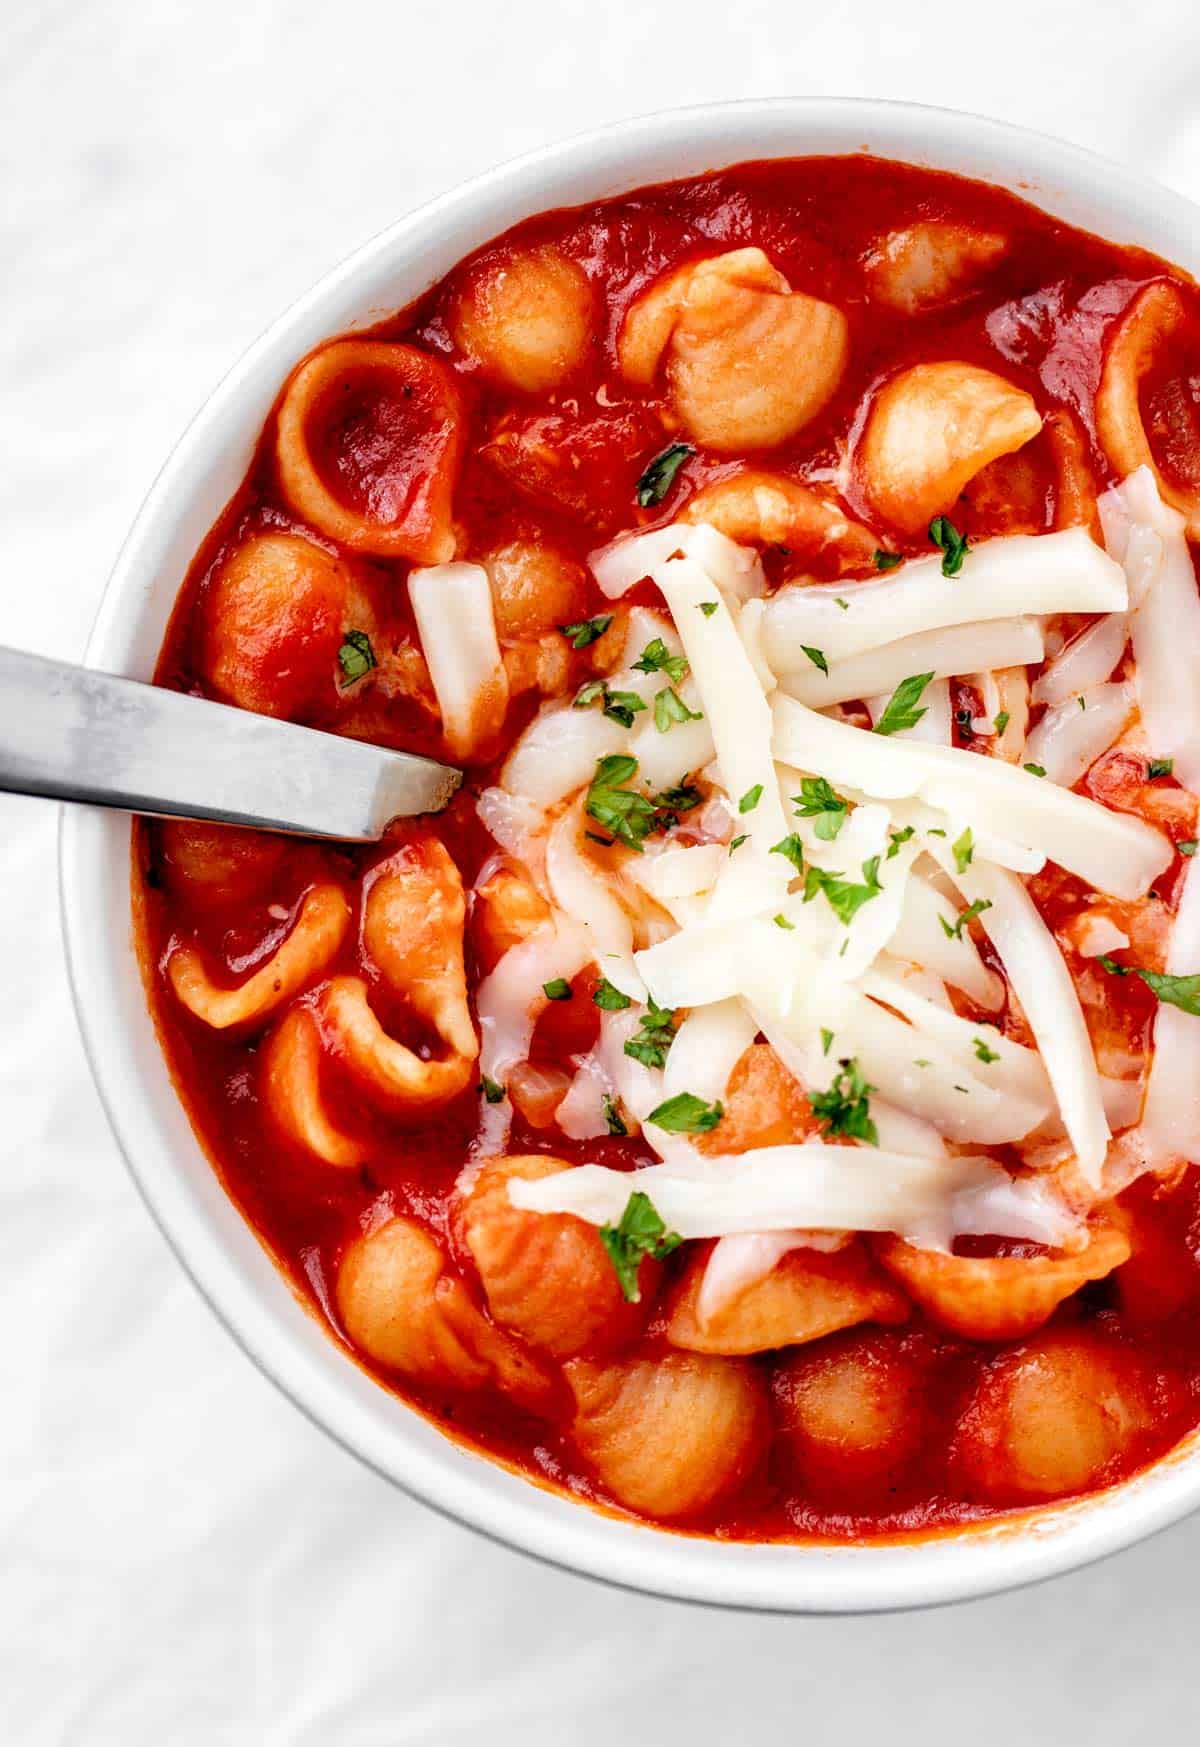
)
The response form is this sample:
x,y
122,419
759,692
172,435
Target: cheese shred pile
x,y
744,857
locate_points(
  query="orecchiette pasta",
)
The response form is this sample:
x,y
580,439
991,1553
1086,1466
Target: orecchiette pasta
x,y
806,1295
999,1298
403,1305
307,948
930,429
369,441
748,361
525,317
669,1435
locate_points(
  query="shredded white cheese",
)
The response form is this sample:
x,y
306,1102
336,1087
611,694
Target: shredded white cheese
x,y
1047,573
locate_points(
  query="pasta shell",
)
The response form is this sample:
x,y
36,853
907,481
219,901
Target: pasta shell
x,y
368,446
756,508
292,1089
507,909
525,317
1053,1417
808,1294
271,624
852,1412
930,430
930,264
404,1307
669,1436
299,959
999,1298
413,916
547,1276
748,361
394,1075
218,864
1153,317
764,1106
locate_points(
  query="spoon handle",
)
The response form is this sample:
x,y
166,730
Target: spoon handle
x,y
78,735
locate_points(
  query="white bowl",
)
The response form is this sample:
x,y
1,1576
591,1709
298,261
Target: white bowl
x,y
214,1243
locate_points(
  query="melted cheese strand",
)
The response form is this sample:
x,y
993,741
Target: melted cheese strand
x,y
581,893
944,653
706,1049
1021,573
511,999
813,1187
910,1067
1112,852
1145,532
1089,660
558,753
921,938
1042,983
1171,1120
1072,735
452,604
737,712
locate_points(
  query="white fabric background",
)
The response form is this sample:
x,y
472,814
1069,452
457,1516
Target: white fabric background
x,y
183,1558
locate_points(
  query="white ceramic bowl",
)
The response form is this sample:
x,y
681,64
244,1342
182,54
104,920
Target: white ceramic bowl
x,y
212,1240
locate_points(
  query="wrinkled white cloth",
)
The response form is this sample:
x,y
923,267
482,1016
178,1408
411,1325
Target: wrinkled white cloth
x,y
183,1558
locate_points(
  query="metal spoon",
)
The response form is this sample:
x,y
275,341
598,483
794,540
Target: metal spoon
x,y
78,735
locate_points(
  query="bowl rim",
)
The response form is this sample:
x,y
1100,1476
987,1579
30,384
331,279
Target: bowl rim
x,y
215,1246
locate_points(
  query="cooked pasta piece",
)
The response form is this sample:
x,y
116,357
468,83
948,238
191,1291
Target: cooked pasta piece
x,y
218,865
930,429
272,624
413,917
999,1298
808,1294
402,1305
524,316
930,263
303,954
1051,1417
548,1279
669,1436
853,1412
369,441
764,1106
1154,316
748,362
507,909
535,589
756,508
292,1087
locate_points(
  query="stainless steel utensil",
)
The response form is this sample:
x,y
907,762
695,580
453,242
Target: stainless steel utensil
x,y
78,735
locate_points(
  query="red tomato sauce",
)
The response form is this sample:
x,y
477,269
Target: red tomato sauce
x,y
565,466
